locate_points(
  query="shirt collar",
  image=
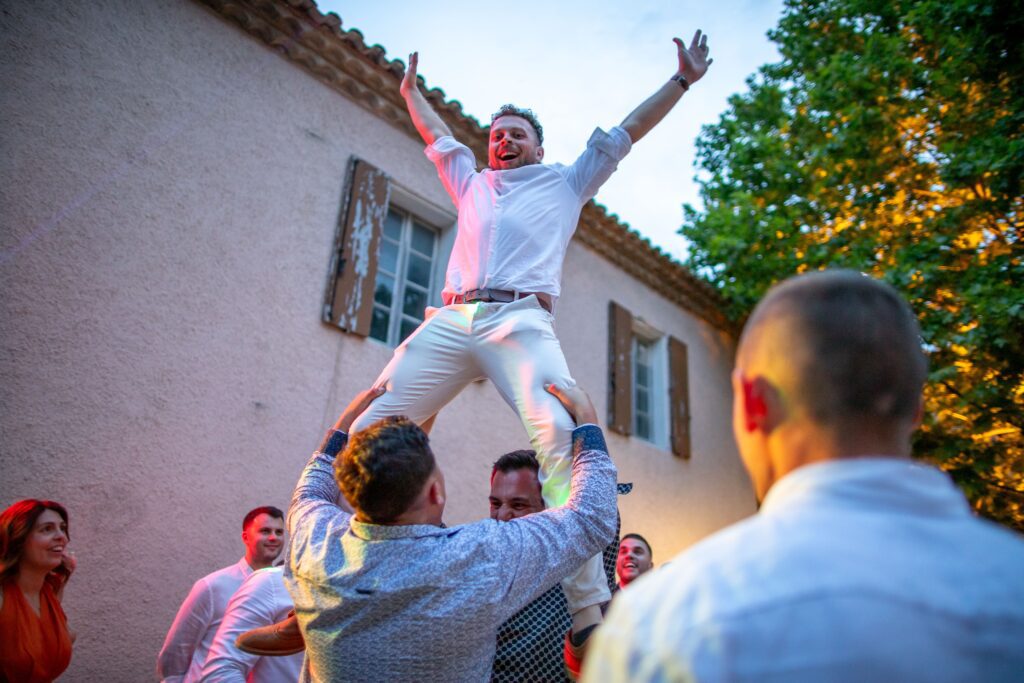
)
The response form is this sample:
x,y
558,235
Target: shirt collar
x,y
884,483
382,532
244,567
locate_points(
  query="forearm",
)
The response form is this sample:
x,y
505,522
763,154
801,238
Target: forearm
x,y
316,484
547,546
645,117
593,483
428,124
225,663
185,634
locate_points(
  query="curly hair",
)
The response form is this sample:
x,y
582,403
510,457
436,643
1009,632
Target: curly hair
x,y
16,523
513,110
384,468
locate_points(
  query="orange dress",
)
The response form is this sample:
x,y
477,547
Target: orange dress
x,y
33,648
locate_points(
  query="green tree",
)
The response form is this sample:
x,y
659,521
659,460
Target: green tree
x,y
890,139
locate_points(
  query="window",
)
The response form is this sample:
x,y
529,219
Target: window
x,y
387,260
405,269
648,383
643,376
649,395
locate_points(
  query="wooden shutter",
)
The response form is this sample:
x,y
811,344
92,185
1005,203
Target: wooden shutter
x,y
354,266
679,397
620,369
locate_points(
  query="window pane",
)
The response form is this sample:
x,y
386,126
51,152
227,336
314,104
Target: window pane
x,y
415,302
382,293
408,327
423,239
388,259
643,426
642,403
643,375
419,270
379,325
393,226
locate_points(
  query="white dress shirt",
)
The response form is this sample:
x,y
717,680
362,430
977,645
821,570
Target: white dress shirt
x,y
871,569
184,651
261,601
515,225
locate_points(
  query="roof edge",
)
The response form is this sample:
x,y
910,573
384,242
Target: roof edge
x,y
343,61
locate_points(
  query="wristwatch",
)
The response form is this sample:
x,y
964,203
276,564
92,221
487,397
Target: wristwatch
x,y
681,80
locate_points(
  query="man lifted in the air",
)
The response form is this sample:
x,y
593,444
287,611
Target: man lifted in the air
x,y
516,218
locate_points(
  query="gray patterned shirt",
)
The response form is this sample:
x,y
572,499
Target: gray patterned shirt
x,y
423,603
529,646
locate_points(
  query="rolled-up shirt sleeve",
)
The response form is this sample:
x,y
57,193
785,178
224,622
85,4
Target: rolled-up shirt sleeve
x,y
599,160
455,164
316,490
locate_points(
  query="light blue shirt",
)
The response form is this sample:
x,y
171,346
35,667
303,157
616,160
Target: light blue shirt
x,y
871,569
421,602
262,600
188,640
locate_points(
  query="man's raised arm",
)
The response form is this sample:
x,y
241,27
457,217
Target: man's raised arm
x,y
316,485
427,122
693,64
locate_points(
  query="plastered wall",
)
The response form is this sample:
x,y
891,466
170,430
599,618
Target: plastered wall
x,y
169,191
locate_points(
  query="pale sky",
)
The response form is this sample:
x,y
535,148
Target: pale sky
x,y
579,65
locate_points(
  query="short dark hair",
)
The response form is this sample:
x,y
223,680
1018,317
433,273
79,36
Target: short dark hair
x,y
513,110
861,359
516,460
16,523
262,510
642,540
384,468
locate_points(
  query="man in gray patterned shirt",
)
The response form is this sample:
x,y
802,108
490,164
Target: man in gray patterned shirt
x,y
389,593
531,643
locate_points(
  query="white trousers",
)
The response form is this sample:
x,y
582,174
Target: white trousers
x,y
514,346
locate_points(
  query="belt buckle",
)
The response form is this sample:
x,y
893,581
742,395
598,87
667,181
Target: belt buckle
x,y
470,296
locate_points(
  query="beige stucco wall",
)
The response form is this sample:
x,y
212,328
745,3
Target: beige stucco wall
x,y
169,190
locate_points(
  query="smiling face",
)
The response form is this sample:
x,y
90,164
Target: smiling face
x,y
513,143
45,544
264,539
515,494
634,559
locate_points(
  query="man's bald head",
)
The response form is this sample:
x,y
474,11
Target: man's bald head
x,y
843,348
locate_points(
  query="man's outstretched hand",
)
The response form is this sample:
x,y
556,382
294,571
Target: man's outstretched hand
x,y
360,403
409,80
576,402
693,61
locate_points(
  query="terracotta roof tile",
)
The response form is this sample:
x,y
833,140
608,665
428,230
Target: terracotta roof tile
x,y
342,60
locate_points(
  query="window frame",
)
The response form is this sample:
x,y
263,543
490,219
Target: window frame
x,y
658,393
369,194
396,310
670,367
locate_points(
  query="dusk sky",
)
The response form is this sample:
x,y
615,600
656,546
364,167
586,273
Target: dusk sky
x,y
579,65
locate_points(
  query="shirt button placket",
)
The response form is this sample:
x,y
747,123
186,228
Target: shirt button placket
x,y
496,220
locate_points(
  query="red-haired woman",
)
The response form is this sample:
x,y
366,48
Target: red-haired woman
x,y
35,646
